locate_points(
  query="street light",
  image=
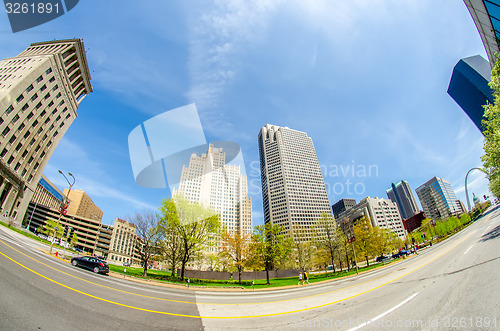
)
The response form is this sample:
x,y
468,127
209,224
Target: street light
x,y
65,200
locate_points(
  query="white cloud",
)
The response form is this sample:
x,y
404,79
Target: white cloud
x,y
217,40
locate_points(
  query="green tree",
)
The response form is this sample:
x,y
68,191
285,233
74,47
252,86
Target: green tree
x,y
271,245
235,247
328,237
197,227
73,240
383,241
363,232
171,245
51,229
491,126
303,250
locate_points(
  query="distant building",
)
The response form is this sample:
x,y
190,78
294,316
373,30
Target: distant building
x,y
438,199
469,87
40,91
208,180
47,194
123,246
341,206
293,188
87,229
82,205
401,194
381,212
414,222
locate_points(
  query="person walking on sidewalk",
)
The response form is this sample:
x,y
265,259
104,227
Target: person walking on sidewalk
x,y
306,277
300,278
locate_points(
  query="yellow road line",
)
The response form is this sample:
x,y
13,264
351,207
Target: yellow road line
x,y
237,317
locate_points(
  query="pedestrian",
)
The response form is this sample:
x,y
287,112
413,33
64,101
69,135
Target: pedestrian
x,y
300,278
306,277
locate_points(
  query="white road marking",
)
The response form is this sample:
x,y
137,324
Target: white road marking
x,y
468,249
485,231
383,314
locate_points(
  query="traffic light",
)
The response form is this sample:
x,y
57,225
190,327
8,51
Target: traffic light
x,y
485,197
65,235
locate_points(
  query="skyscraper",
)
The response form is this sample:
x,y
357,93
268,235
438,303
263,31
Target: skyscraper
x,y
82,205
211,182
438,199
469,87
40,91
293,189
403,197
341,206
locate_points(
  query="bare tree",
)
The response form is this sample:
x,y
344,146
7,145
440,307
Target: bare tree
x,y
149,235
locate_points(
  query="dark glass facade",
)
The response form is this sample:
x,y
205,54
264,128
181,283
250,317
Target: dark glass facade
x,y
469,87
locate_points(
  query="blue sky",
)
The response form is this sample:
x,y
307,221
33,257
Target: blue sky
x,y
365,79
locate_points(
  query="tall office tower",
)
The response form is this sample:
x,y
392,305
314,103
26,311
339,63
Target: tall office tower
x,y
403,197
341,206
469,87
82,205
211,182
293,188
40,91
438,199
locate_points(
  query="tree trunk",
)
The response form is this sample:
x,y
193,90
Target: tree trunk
x,y
145,261
347,260
267,272
367,263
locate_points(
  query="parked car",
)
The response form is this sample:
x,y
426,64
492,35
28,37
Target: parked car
x,y
383,258
91,263
78,250
126,264
400,253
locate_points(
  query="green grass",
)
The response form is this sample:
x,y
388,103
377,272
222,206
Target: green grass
x,y
32,236
247,284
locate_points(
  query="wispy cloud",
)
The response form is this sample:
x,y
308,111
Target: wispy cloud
x,y
217,40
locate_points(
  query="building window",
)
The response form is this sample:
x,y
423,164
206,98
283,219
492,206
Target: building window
x,y
5,131
38,105
18,147
50,103
14,120
12,139
48,71
24,154
11,158
39,79
55,87
23,173
4,151
27,134
29,88
51,79
34,97
18,165
30,115
24,107
30,178
46,96
43,88
20,98
9,110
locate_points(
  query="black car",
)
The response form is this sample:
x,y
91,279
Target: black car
x,y
91,263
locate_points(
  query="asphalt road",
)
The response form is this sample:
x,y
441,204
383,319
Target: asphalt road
x,y
452,285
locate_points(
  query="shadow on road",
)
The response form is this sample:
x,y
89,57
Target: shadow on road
x,y
493,234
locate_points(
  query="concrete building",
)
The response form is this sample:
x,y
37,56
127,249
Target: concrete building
x,y
123,246
82,205
208,180
293,188
469,87
382,213
438,199
47,194
401,194
341,206
40,91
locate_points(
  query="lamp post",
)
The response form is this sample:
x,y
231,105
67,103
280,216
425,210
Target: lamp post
x,y
65,200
